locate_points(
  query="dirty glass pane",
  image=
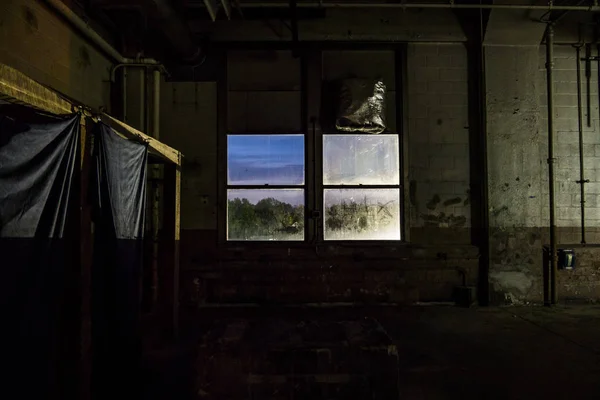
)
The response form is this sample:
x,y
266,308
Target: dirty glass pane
x,y
265,214
265,159
359,159
362,214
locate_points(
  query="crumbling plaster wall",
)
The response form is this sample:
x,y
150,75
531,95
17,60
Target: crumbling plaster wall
x,y
518,172
438,144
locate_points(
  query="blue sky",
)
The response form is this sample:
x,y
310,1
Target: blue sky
x,y
265,159
279,160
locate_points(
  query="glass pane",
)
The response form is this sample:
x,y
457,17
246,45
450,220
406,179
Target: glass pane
x,y
265,214
361,160
362,214
265,159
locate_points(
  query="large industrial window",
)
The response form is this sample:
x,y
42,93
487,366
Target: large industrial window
x,y
361,180
265,195
270,194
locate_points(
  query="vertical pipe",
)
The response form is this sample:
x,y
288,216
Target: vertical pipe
x,y
581,180
147,102
156,104
155,186
588,77
124,94
142,126
598,62
550,93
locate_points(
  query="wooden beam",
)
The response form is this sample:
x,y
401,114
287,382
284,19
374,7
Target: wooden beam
x,y
169,248
162,150
16,87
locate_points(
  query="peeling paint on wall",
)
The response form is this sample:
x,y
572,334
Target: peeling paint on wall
x,y
514,285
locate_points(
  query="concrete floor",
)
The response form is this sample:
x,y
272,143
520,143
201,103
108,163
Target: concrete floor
x,y
444,352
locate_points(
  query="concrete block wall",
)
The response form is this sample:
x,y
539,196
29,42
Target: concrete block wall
x,y
34,40
264,92
189,123
568,206
438,168
518,172
438,143
516,149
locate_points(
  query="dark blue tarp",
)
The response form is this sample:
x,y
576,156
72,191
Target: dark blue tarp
x,y
37,166
120,195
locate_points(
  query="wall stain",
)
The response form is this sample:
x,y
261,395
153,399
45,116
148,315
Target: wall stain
x,y
412,192
30,19
432,204
83,60
453,201
532,238
499,211
452,221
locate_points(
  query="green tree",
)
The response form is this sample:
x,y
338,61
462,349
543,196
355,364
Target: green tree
x,y
268,219
242,219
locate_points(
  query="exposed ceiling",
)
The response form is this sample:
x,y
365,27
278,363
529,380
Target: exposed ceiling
x,y
175,29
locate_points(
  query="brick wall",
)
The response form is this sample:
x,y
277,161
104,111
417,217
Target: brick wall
x,y
37,42
438,140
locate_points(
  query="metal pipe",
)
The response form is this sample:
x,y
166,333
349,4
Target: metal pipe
x,y
551,160
155,129
83,27
124,94
588,77
156,105
139,63
147,100
424,5
143,101
598,63
581,180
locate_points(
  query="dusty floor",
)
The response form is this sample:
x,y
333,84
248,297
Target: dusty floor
x,y
443,352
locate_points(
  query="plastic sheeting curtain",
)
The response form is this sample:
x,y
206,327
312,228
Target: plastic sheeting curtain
x,y
37,165
120,195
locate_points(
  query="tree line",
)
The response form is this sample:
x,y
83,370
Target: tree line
x,y
272,219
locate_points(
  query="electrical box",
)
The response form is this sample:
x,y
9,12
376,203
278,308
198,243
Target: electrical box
x,y
566,259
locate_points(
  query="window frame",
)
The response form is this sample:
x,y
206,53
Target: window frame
x,y
311,59
229,187
398,186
